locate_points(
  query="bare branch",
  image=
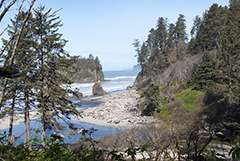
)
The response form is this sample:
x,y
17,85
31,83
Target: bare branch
x,y
1,3
6,9
4,30
16,32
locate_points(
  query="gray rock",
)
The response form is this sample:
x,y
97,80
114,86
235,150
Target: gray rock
x,y
77,94
77,103
116,121
98,90
131,88
57,136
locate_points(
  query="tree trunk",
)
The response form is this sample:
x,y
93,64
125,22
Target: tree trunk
x,y
27,119
28,128
25,126
10,138
43,120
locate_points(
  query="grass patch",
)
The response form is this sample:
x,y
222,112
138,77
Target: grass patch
x,y
187,99
165,113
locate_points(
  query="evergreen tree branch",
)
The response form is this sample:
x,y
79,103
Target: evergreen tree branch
x,y
20,33
15,31
14,50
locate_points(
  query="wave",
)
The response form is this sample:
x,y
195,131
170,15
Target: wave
x,y
81,85
121,77
116,88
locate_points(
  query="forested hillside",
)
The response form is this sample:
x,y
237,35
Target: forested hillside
x,y
194,84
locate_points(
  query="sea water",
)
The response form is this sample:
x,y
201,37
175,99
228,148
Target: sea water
x,y
115,81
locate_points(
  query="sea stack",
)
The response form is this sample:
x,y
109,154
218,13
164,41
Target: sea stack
x,y
98,90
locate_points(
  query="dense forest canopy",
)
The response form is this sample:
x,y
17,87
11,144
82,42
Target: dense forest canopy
x,y
166,56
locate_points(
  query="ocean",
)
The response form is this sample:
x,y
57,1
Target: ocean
x,y
116,81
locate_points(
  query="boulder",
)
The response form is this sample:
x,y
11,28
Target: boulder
x,y
78,94
116,121
57,136
131,88
98,90
77,103
81,131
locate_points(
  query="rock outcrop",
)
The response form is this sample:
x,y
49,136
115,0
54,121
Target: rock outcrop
x,y
98,90
177,72
87,71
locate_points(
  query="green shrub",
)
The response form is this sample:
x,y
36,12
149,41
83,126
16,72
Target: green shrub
x,y
57,150
91,66
187,98
165,113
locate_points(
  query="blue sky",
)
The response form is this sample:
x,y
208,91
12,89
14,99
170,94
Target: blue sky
x,y
107,28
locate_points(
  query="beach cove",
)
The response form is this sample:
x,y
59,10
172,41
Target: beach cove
x,y
118,110
119,81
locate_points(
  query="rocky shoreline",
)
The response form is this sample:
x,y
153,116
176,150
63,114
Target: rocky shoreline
x,y
116,110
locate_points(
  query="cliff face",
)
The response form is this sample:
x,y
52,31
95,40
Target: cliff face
x,y
88,71
177,72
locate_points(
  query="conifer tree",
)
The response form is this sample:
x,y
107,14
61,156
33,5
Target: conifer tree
x,y
212,24
7,69
205,76
229,55
23,63
52,60
196,26
143,56
208,30
180,34
139,49
90,56
151,40
97,60
170,37
160,34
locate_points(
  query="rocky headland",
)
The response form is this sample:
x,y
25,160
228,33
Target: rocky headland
x,y
87,71
118,110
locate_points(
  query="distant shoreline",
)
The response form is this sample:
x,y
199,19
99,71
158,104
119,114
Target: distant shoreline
x,y
105,80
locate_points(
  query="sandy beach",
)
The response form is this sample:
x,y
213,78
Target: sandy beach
x,y
91,120
18,118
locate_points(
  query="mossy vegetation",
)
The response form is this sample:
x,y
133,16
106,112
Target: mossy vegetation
x,y
165,113
187,98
